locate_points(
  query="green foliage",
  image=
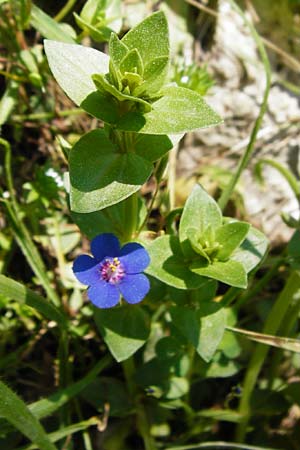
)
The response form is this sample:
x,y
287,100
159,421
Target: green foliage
x,y
124,330
192,77
196,325
206,247
16,412
113,175
99,18
203,328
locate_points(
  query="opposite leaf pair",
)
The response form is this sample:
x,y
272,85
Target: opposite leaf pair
x,y
206,247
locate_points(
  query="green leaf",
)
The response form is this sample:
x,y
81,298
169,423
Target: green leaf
x,y
150,37
200,212
168,264
91,9
154,75
177,111
230,236
101,105
65,431
13,409
230,272
203,328
14,290
124,329
109,220
152,147
101,34
132,62
193,236
73,66
48,27
106,88
294,250
117,50
8,101
252,250
113,14
100,175
108,390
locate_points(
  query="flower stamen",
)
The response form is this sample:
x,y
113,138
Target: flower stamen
x,y
112,271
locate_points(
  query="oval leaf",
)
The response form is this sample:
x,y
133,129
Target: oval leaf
x,y
229,272
124,329
252,250
203,328
177,111
150,37
73,66
200,212
168,264
100,176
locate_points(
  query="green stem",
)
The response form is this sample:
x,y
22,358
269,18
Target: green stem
x,y
230,296
151,202
131,217
249,150
272,325
288,323
285,172
65,10
85,433
142,419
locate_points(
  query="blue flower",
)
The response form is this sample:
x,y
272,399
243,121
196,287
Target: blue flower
x,y
113,271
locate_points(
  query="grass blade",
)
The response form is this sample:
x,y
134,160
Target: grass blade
x,y
13,409
17,291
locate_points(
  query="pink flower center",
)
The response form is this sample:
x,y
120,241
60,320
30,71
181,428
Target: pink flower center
x,y
112,271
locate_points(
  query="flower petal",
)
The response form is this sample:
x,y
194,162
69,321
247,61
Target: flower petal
x,y
105,244
85,269
134,258
103,294
134,287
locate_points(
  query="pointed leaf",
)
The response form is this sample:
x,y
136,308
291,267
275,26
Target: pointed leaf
x,y
154,75
73,66
132,62
193,237
117,50
229,272
203,328
152,147
17,291
91,9
100,176
252,250
200,212
101,105
106,88
49,28
124,329
150,37
168,264
101,34
13,409
230,236
177,111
